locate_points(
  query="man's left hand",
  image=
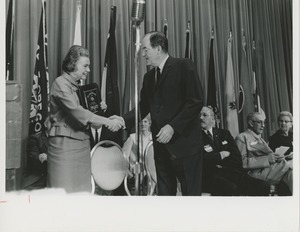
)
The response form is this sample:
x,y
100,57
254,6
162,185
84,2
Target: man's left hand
x,y
165,134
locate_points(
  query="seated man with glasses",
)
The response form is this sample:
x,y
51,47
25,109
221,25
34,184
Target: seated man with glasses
x,y
223,174
259,159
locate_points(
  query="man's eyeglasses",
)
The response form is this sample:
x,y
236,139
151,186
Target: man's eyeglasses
x,y
283,121
260,122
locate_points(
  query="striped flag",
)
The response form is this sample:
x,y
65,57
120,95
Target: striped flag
x,y
40,87
188,41
245,98
231,103
9,41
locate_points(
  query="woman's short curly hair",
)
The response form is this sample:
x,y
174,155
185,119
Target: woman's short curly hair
x,y
74,53
285,113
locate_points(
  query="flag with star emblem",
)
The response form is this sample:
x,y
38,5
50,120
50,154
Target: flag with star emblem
x,y
230,96
40,86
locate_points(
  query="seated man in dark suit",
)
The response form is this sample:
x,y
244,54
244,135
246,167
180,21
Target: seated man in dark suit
x,y
223,174
35,177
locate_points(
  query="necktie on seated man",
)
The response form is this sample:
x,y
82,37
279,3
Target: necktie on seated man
x,y
209,135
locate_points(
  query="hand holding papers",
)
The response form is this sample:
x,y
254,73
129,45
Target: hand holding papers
x,y
282,150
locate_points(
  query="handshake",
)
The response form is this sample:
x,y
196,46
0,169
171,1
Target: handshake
x,y
115,123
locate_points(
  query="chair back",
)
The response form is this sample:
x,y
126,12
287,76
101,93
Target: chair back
x,y
109,165
149,162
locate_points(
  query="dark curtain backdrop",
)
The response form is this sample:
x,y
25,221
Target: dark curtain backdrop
x,y
267,22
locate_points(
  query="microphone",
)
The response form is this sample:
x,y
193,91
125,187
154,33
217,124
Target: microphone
x,y
138,11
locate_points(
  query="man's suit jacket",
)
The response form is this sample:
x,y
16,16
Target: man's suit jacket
x,y
35,175
255,153
222,141
37,144
175,100
253,149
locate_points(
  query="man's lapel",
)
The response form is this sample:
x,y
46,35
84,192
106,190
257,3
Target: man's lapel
x,y
216,137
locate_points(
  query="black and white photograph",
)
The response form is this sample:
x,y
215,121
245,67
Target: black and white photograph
x,y
150,115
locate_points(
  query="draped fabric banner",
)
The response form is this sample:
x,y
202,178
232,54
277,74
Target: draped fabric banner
x,y
255,88
109,83
231,104
77,34
128,97
9,41
40,87
212,93
165,28
110,101
246,105
188,42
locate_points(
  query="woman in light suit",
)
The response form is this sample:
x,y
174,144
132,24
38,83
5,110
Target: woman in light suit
x,y
69,164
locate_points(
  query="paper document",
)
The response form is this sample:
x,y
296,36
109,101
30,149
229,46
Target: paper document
x,y
281,150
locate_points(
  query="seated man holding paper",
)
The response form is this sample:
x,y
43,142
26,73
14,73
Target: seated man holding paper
x,y
259,159
282,140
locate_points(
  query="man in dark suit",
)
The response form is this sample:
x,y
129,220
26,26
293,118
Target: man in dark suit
x,y
223,174
172,94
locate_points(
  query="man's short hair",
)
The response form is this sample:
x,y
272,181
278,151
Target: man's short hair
x,y
158,38
211,109
251,116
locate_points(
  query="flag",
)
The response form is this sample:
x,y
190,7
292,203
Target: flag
x,y
40,87
246,105
255,88
110,102
77,33
109,82
128,95
9,41
212,94
231,103
188,42
165,28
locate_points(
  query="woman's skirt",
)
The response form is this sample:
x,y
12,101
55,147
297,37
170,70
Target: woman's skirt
x,y
69,164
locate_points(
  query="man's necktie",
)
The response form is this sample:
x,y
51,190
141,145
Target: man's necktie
x,y
157,75
209,135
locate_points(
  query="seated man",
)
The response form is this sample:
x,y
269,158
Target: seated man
x,y
223,174
258,158
35,176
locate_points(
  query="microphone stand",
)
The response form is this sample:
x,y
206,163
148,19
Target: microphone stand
x,y
137,167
